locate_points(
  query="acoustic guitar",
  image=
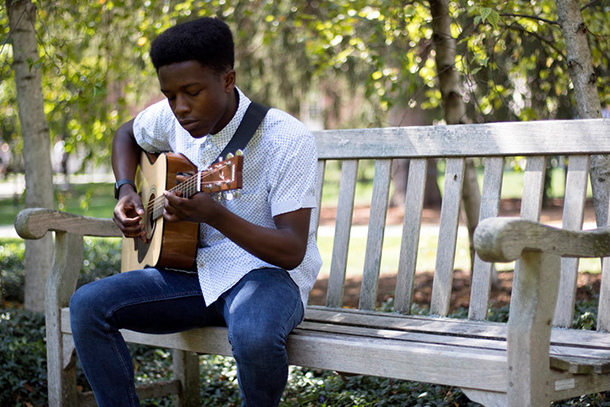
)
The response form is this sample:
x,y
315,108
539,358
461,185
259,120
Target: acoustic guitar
x,y
174,244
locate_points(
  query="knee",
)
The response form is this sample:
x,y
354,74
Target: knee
x,y
85,307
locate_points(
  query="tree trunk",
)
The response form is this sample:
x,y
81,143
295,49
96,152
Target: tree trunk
x,y
453,105
586,95
36,143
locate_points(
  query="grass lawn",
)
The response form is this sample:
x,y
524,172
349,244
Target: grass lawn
x,y
94,199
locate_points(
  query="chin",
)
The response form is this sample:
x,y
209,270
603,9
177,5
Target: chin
x,y
197,133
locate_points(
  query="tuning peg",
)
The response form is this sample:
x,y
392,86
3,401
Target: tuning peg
x,y
237,193
229,156
239,153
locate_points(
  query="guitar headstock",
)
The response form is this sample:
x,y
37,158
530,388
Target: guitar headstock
x,y
225,175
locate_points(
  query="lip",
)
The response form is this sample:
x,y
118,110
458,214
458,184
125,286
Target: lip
x,y
188,124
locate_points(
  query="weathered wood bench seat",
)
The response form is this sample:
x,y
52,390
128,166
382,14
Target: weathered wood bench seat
x,y
525,362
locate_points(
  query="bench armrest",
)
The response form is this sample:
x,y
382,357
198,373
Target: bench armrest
x,y
34,223
504,239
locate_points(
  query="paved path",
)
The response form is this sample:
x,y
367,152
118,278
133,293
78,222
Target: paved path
x,y
8,231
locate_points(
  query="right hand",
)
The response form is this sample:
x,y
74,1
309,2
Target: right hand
x,y
128,214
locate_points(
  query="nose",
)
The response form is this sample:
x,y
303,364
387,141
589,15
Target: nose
x,y
181,106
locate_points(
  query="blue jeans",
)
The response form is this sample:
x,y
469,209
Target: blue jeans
x,y
260,311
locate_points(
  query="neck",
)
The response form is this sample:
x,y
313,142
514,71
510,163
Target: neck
x,y
232,106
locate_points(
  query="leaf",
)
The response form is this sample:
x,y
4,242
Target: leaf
x,y
485,12
488,14
494,19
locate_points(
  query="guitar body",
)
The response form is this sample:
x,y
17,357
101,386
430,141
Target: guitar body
x,y
170,244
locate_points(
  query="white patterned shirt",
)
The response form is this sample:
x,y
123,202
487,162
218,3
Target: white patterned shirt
x,y
279,176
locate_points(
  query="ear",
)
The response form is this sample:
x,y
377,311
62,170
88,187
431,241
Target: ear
x,y
229,80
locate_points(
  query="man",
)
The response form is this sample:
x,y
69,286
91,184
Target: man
x,y
257,258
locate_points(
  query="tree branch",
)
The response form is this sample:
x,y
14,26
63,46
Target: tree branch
x,y
544,20
551,44
591,3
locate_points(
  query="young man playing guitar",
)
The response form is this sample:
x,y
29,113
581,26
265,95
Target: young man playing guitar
x,y
256,258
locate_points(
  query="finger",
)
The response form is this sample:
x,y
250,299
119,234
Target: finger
x,y
173,197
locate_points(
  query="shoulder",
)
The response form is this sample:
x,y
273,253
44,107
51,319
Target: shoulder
x,y
159,111
281,128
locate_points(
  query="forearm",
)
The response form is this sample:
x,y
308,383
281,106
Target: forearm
x,y
283,246
125,152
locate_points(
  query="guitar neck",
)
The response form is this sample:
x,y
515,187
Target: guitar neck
x,y
222,176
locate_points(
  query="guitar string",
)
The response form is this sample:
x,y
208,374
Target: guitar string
x,y
185,186
158,202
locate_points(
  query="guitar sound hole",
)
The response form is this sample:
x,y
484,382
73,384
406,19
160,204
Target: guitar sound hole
x,y
150,219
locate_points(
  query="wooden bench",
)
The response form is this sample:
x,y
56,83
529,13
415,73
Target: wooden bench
x,y
525,362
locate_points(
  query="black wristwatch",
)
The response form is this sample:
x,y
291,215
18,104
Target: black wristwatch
x,y
122,182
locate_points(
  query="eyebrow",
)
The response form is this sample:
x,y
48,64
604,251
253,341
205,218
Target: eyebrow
x,y
188,85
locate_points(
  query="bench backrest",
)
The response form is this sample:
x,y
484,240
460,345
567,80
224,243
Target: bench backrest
x,y
492,143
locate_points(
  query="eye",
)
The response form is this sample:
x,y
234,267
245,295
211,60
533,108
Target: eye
x,y
195,93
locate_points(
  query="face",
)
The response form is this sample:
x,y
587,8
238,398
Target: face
x,y
202,100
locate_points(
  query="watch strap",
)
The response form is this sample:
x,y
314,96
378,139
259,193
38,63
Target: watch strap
x,y
122,182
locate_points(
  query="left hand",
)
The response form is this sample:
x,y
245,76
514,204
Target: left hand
x,y
198,208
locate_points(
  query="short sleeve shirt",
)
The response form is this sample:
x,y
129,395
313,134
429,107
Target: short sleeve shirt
x,y
279,176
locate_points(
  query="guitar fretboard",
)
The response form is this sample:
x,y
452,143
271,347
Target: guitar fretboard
x,y
218,177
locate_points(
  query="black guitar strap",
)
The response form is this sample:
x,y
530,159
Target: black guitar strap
x,y
249,124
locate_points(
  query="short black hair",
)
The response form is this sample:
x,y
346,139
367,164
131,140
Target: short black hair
x,y
208,40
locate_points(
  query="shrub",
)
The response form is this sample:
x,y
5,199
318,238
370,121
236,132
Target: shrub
x,y
12,278
23,377
101,258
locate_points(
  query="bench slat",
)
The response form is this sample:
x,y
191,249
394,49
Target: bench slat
x,y
343,225
315,215
573,215
450,326
603,313
411,227
449,222
374,240
586,356
533,188
482,271
554,137
213,340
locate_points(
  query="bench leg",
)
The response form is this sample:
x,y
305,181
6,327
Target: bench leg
x,y
529,329
61,366
186,369
61,374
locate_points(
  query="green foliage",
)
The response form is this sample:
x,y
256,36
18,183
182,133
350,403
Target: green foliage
x,y
23,377
12,277
101,259
309,387
369,55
